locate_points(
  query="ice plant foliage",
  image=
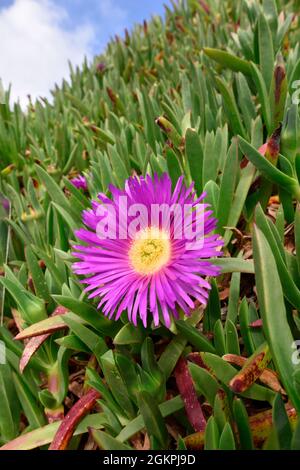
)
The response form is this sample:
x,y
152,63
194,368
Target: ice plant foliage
x,y
153,270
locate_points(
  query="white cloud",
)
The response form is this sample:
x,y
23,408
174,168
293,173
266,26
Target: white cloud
x,y
35,47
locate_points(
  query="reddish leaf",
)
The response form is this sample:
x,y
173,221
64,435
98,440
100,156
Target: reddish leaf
x,y
75,415
251,370
31,347
196,358
188,393
273,146
33,439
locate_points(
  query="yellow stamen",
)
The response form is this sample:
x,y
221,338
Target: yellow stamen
x,y
150,251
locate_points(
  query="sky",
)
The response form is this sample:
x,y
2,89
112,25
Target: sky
x,y
38,37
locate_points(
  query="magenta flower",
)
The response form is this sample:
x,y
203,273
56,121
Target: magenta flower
x,y
145,267
80,182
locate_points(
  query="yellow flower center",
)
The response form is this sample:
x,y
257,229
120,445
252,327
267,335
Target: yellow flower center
x,y
150,250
